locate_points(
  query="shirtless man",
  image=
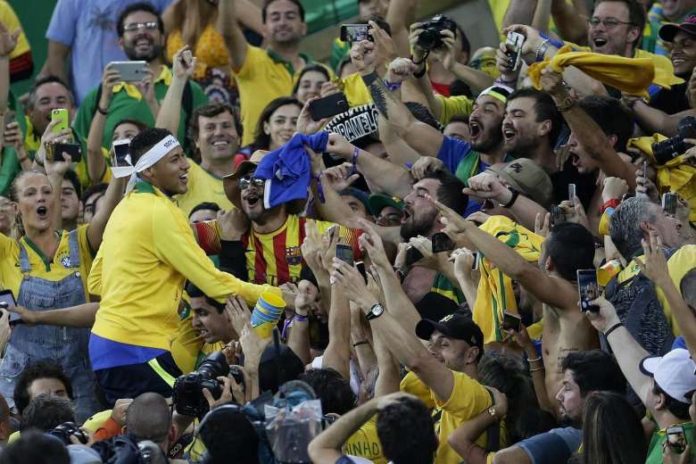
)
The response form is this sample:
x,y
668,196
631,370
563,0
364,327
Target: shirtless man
x,y
567,248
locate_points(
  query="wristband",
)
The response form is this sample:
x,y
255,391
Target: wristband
x,y
392,86
361,342
354,160
299,318
101,111
540,52
370,78
556,43
421,73
613,328
512,201
612,203
534,360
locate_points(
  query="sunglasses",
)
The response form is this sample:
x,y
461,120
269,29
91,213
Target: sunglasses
x,y
247,181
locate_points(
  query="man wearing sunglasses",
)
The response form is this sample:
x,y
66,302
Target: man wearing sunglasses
x,y
141,36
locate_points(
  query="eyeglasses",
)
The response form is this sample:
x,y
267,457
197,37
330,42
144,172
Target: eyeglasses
x,y
609,23
247,181
132,27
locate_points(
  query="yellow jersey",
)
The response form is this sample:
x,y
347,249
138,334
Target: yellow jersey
x,y
44,267
202,187
147,254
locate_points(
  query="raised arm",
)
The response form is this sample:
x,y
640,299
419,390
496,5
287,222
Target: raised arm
x,y
228,26
326,447
404,345
626,349
170,109
95,229
8,42
96,164
337,353
593,139
538,283
571,20
653,120
424,139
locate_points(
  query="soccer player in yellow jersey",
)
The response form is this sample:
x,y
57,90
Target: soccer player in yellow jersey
x,y
148,253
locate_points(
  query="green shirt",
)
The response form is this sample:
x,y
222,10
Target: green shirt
x,y
127,103
658,439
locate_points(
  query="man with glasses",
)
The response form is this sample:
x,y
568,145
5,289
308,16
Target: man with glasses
x,y
272,245
141,36
85,28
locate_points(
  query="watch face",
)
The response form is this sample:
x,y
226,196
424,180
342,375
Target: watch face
x,y
376,311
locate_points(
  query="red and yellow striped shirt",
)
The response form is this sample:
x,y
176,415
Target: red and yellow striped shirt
x,y
276,258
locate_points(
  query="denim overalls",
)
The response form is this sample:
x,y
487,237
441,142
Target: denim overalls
x,y
67,346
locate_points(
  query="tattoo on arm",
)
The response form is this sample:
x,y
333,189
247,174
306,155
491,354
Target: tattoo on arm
x,y
379,92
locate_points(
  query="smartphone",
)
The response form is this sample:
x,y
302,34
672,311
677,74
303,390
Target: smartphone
x,y
477,261
571,193
676,439
329,106
122,153
344,253
669,203
360,266
511,321
130,71
55,150
7,300
441,242
645,170
413,255
588,288
513,43
557,215
61,116
355,33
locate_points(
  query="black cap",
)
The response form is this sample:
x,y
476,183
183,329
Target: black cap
x,y
452,326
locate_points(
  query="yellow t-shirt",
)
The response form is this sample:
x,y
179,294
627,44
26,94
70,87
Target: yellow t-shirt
x,y
52,269
679,264
263,77
9,19
413,385
365,443
147,254
202,187
454,106
468,399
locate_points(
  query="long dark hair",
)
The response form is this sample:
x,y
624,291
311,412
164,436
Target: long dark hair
x,y
612,433
262,141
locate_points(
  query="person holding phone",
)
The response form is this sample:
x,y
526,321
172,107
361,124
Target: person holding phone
x,y
141,36
47,268
552,280
149,252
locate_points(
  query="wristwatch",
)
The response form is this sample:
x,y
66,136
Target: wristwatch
x,y
375,311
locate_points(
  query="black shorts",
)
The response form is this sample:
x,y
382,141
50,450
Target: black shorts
x,y
132,380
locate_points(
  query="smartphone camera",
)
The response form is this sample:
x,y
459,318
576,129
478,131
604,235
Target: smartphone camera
x,y
413,255
122,152
511,321
669,203
676,439
353,33
344,253
442,242
588,288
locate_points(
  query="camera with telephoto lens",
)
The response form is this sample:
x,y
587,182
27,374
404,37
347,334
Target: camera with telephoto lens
x,y
674,146
188,389
430,38
69,429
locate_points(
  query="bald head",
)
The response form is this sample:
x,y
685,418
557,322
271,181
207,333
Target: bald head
x,y
149,418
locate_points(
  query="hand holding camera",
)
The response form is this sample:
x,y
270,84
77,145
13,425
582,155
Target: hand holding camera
x,y
184,63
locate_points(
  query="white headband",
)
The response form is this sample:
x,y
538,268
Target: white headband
x,y
149,159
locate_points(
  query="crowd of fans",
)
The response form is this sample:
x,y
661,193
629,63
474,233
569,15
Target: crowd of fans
x,y
215,249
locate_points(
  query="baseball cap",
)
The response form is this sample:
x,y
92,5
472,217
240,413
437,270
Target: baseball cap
x,y
528,178
378,201
673,373
688,25
357,194
452,326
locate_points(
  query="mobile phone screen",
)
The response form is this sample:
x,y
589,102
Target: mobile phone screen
x,y
344,253
588,288
511,321
441,242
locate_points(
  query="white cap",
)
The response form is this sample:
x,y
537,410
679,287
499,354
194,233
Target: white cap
x,y
674,373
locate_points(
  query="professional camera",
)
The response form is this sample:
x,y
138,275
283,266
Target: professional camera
x,y
188,389
69,429
430,38
674,146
